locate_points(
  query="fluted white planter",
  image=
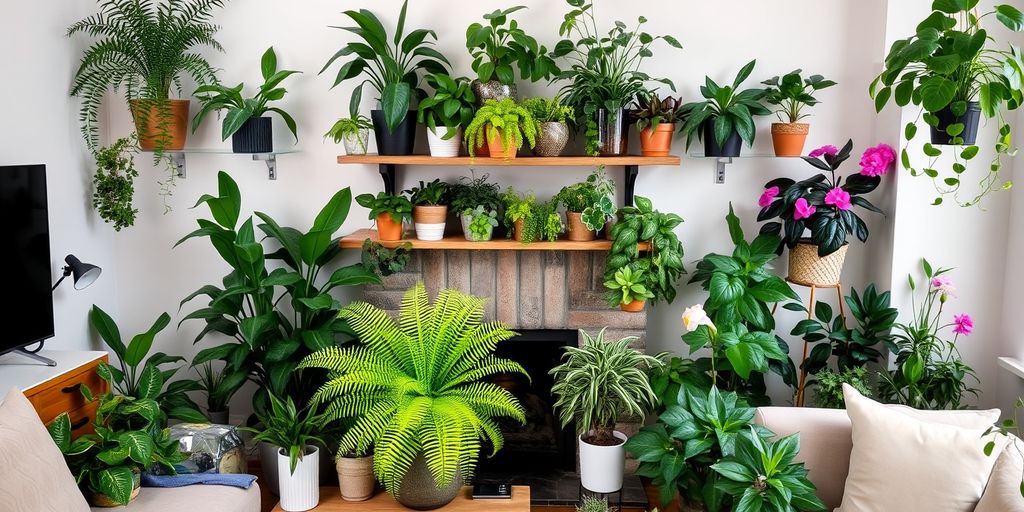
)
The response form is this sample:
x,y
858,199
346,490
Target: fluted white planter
x,y
300,491
444,148
601,467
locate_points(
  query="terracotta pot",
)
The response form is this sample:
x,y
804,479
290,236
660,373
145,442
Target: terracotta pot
x,y
496,145
657,142
578,231
355,478
103,501
551,139
387,228
789,138
430,221
808,269
167,131
633,307
517,232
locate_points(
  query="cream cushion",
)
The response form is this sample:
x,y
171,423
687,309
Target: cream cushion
x,y
33,474
193,498
901,462
1003,491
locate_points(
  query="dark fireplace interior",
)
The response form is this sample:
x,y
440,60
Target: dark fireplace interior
x,y
542,439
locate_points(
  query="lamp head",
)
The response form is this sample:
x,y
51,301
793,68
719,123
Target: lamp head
x,y
83,273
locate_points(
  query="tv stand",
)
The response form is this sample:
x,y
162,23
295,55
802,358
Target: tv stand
x,y
36,357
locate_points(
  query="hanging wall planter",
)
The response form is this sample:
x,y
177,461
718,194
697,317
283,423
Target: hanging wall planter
x,y
970,119
168,131
401,141
731,148
255,136
612,132
808,269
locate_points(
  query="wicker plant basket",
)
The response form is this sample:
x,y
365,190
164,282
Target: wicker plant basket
x,y
808,269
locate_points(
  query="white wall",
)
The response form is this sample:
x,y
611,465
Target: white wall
x,y
843,40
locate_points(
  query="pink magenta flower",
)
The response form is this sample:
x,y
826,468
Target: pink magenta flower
x,y
803,209
877,160
962,324
839,198
767,197
827,149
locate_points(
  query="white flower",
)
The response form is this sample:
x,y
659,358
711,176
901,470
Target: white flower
x,y
694,316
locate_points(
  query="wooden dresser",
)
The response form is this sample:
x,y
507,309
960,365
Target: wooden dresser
x,y
53,390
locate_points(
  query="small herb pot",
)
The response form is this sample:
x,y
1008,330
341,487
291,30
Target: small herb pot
x,y
633,307
387,229
731,148
578,231
789,138
401,141
255,136
430,222
969,119
657,142
356,143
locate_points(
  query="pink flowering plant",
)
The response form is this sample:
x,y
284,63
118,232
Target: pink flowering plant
x,y
824,203
930,374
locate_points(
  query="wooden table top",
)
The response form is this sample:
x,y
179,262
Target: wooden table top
x,y
330,501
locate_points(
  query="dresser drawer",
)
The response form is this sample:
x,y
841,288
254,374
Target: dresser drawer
x,y
63,394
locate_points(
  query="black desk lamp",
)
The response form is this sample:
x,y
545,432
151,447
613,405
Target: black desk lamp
x,y
84,275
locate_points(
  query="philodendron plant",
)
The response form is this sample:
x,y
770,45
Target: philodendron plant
x,y
948,70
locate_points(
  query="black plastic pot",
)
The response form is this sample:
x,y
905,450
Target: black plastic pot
x,y
732,145
399,142
255,136
612,132
970,120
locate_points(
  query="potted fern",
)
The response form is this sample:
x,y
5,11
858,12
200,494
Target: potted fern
x,y
294,434
146,47
599,382
502,125
553,120
353,131
245,123
399,372
529,221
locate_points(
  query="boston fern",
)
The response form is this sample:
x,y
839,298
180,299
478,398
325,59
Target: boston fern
x,y
144,48
414,388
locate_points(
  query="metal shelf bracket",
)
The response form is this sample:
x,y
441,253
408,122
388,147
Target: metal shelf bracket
x,y
720,164
271,160
178,161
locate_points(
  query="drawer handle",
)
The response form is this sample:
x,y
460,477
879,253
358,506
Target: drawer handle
x,y
69,389
80,423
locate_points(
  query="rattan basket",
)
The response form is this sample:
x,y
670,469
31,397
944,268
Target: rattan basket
x,y
808,269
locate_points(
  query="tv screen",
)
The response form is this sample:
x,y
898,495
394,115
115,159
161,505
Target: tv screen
x,y
25,259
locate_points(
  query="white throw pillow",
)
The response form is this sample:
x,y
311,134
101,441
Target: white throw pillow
x,y
900,462
1003,491
33,474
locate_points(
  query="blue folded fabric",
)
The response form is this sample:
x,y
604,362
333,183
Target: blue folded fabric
x,y
233,480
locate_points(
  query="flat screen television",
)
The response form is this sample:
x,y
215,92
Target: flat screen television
x,y
25,257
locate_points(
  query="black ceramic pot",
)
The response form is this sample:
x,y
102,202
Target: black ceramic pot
x,y
970,120
398,142
255,136
732,145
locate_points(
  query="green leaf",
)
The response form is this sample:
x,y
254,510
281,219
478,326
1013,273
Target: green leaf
x,y
139,444
268,64
1010,16
117,483
882,97
937,92
931,150
395,103
913,368
647,445
139,347
60,432
151,381
910,131
745,358
969,152
107,329
734,471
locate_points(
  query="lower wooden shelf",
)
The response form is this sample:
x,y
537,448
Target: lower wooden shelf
x,y
459,242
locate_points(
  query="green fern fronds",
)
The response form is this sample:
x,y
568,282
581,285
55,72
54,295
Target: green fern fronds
x,y
144,47
416,387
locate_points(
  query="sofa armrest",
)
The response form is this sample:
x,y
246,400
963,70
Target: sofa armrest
x,y
826,440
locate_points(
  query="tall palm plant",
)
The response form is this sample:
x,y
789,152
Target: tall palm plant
x,y
414,388
144,47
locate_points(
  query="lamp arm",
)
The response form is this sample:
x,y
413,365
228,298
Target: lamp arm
x,y
67,272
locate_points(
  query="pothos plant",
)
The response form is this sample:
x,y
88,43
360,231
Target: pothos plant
x,y
604,69
948,69
500,46
114,182
662,262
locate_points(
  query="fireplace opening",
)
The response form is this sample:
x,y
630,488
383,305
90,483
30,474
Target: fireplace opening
x,y
541,442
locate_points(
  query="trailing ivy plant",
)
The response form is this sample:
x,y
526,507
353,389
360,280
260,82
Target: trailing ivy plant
x,y
540,219
144,48
114,182
662,263
500,46
383,261
943,68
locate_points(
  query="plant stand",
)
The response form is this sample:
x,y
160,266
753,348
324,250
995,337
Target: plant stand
x,y
799,399
612,505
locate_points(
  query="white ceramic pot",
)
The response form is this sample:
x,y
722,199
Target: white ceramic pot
x,y
601,467
430,221
300,491
444,148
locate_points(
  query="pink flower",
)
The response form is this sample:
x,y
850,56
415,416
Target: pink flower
x,y
962,324
839,198
877,160
803,209
827,149
767,197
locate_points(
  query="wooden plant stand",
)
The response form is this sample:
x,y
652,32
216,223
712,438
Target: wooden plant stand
x,y
799,399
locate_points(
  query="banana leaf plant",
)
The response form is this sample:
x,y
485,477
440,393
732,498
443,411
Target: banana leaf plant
x,y
392,65
273,318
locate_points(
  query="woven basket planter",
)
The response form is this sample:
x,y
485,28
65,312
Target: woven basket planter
x,y
808,269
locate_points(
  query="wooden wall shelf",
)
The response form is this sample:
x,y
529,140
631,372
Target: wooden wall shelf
x,y
459,242
388,165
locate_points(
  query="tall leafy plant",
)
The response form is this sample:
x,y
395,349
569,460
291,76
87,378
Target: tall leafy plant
x,y
288,428
604,69
144,48
273,318
415,387
730,109
943,68
392,65
501,46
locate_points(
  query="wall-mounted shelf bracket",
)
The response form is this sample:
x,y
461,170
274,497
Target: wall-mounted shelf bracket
x,y
720,164
178,161
388,174
271,160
